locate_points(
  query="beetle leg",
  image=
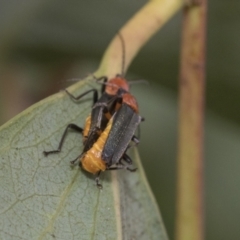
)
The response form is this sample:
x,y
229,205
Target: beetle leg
x,y
104,85
135,140
139,130
71,126
104,80
97,179
127,159
95,95
76,159
121,166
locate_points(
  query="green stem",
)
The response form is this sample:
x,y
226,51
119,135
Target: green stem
x,y
189,221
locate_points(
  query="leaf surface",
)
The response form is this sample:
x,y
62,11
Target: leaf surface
x,y
44,198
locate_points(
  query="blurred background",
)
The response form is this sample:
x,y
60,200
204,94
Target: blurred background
x,y
45,42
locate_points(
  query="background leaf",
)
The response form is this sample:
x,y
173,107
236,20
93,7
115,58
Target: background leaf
x,y
44,198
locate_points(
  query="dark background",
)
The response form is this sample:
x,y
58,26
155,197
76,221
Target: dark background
x,y
43,43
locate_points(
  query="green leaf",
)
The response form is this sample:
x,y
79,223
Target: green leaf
x,y
44,198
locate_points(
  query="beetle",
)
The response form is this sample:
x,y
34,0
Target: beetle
x,y
110,148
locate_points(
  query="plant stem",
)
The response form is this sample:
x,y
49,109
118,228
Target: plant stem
x,y
137,31
189,221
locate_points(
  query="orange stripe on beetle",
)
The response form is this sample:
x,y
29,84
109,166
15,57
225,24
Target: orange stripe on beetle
x,y
92,160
